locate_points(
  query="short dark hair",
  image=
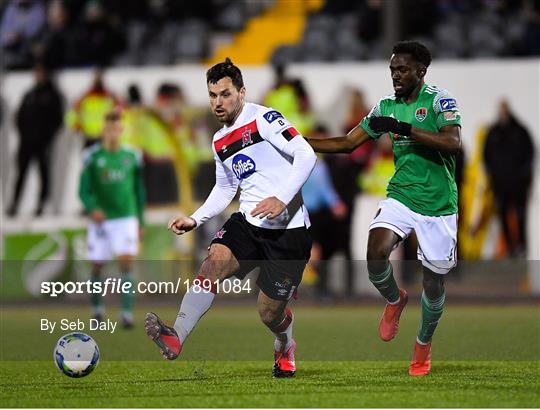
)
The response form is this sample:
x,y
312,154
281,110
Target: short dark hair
x,y
225,69
417,50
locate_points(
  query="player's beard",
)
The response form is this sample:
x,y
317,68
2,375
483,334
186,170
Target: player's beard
x,y
231,118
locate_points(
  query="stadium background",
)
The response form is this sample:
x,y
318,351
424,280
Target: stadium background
x,y
484,52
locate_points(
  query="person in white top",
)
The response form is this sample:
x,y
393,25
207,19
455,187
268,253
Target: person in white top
x,y
259,151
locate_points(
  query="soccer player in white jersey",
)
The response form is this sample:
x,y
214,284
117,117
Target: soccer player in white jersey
x,y
259,151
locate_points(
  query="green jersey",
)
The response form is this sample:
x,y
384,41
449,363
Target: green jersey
x,y
112,182
424,178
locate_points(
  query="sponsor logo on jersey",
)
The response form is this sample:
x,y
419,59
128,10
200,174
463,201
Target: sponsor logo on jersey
x,y
219,234
271,116
246,138
243,166
451,115
447,104
101,162
421,114
113,175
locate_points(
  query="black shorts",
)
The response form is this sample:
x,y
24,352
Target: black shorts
x,y
281,254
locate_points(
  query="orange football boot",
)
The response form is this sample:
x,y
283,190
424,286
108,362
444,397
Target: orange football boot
x,y
389,324
284,365
421,361
165,337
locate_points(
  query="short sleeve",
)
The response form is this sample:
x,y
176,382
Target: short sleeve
x,y
376,111
446,109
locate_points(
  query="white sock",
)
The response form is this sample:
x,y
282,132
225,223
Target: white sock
x,y
284,334
193,307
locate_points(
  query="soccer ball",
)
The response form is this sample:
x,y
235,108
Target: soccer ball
x,y
76,354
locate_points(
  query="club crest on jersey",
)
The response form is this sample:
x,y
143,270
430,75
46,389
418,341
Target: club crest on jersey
x,y
421,114
271,116
447,104
246,138
243,166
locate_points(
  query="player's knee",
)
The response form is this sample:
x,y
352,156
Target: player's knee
x,y
377,257
125,264
270,315
378,252
433,286
218,264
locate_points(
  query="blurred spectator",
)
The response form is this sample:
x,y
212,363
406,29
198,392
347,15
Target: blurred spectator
x,y
38,120
356,111
88,114
325,207
21,23
531,39
345,168
159,147
60,45
370,21
282,96
340,7
99,36
340,227
377,174
151,131
133,119
290,98
418,17
508,157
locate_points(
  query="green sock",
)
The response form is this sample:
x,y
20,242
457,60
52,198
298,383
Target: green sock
x,y
95,298
431,314
128,298
386,284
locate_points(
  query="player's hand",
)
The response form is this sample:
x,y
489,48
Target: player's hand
x,y
181,224
141,233
339,210
270,207
97,216
389,124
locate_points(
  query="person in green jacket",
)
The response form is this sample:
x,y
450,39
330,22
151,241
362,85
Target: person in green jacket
x,y
112,192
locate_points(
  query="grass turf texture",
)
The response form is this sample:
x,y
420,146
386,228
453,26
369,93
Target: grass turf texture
x,y
483,357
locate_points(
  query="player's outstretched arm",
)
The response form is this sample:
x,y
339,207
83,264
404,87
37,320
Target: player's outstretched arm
x,y
347,144
221,196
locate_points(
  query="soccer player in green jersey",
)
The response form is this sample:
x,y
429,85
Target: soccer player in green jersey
x,y
112,191
423,122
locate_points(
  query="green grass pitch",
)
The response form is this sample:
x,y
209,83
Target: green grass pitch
x,y
483,356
